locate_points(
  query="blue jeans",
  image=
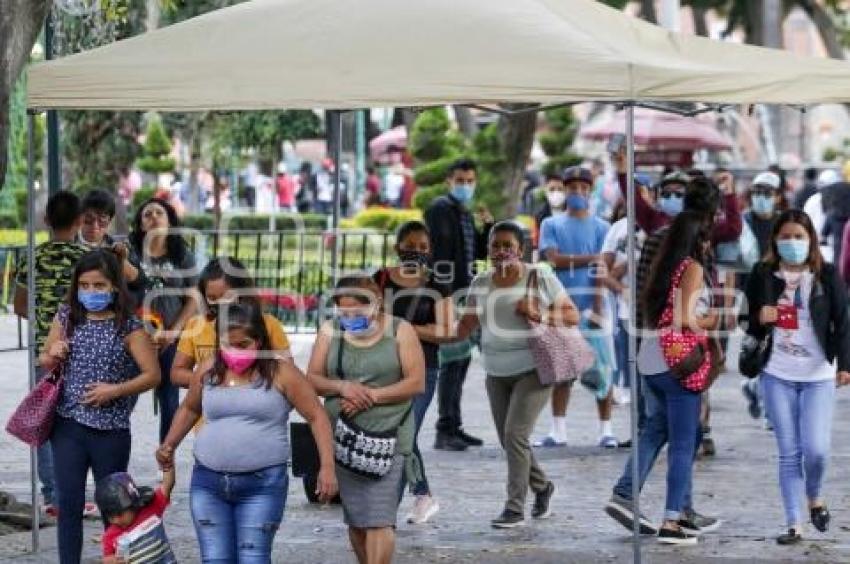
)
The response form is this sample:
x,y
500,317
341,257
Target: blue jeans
x,y
421,403
76,449
236,516
672,415
801,414
167,394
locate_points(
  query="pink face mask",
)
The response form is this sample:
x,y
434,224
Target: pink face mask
x,y
239,360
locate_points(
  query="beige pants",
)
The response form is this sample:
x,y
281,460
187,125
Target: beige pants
x,y
516,402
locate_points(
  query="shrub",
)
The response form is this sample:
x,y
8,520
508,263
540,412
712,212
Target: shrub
x,y
428,135
434,172
156,149
384,219
9,220
427,194
141,196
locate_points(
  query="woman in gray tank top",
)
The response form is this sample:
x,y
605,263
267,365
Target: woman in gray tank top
x,y
240,480
370,366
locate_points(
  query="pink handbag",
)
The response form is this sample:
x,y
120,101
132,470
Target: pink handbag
x,y
32,421
560,354
687,353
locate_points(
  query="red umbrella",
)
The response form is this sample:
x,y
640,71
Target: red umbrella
x,y
661,131
391,138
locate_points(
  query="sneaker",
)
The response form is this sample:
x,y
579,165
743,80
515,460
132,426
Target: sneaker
x,y
549,442
622,511
607,441
752,396
625,444
424,508
90,511
508,520
541,508
469,439
445,441
622,396
820,518
768,426
677,536
791,537
695,524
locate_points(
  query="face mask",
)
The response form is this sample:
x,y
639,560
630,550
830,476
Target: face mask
x,y
239,360
463,192
94,301
577,202
413,259
672,206
504,257
793,251
763,205
356,324
556,198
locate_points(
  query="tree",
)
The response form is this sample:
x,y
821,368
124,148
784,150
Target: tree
x,y
156,149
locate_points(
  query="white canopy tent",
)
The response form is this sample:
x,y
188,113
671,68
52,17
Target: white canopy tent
x,y
289,54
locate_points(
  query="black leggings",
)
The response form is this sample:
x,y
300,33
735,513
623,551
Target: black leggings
x,y
76,449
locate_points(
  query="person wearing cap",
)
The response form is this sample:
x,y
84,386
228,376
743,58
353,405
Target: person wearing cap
x,y
285,188
572,244
766,203
134,513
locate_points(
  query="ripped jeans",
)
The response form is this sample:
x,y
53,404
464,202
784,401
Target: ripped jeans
x,y
236,516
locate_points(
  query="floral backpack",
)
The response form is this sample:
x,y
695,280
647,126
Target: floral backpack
x,y
687,353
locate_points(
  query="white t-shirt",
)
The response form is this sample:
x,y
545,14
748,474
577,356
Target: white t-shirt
x,y
797,356
324,186
615,243
394,184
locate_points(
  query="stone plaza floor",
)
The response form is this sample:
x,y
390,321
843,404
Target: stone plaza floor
x,y
739,485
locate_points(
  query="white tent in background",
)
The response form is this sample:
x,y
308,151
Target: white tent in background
x,y
274,54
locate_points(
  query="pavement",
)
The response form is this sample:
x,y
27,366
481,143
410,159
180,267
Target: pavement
x,y
739,485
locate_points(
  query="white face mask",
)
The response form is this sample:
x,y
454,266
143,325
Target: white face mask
x,y
556,198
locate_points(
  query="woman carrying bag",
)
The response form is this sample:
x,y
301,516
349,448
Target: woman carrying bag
x,y
799,303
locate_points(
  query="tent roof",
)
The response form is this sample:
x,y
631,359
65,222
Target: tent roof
x,y
275,54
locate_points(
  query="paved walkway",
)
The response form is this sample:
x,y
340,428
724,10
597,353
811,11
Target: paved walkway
x,y
739,485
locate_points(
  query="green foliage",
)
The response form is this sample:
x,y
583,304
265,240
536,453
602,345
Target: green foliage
x,y
16,173
426,194
141,196
434,172
156,149
558,139
429,136
490,157
264,131
9,220
384,219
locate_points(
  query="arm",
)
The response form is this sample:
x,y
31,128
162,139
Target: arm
x,y
412,381
840,322
303,398
55,349
844,261
648,218
141,349
168,481
186,417
442,240
730,228
20,301
181,370
360,395
441,331
559,260
685,311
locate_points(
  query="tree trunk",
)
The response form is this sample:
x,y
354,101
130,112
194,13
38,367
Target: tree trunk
x,y
647,11
700,21
516,137
465,121
20,23
152,14
826,27
194,166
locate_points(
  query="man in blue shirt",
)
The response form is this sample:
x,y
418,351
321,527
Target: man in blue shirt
x,y
572,243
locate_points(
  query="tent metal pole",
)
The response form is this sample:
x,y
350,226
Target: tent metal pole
x,y
335,126
31,322
631,251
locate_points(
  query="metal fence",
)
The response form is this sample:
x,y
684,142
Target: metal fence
x,y
293,269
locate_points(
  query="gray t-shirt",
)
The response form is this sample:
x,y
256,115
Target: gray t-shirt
x,y
504,333
245,428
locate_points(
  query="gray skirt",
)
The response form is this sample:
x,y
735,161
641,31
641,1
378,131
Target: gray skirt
x,y
368,503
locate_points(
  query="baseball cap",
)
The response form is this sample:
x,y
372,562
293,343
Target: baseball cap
x,y
578,173
828,176
118,492
768,179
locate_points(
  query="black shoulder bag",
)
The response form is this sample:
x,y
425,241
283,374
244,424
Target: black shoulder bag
x,y
755,353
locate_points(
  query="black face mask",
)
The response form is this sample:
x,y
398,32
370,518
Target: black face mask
x,y
412,259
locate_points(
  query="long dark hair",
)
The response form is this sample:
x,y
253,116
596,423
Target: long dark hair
x,y
175,244
105,262
247,316
231,270
815,260
684,239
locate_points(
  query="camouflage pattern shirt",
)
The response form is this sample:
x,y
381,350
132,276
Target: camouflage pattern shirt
x,y
54,267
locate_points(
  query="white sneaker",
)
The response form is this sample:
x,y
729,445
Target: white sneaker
x,y
424,508
622,396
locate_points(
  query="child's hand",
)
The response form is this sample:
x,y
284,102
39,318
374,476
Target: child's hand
x,y
165,457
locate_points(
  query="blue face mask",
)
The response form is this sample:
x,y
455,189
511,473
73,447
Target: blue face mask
x,y
95,301
793,251
577,202
763,205
671,205
463,192
355,324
